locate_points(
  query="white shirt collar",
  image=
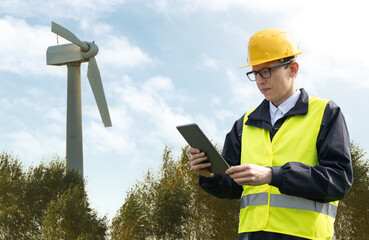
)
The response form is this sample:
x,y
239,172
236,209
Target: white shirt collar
x,y
285,106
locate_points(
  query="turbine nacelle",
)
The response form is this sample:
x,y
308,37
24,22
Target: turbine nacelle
x,y
67,53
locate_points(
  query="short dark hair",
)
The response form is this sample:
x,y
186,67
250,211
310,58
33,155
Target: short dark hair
x,y
287,59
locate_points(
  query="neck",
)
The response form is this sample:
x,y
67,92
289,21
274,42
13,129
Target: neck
x,y
287,96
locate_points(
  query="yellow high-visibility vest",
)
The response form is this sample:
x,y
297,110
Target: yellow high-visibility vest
x,y
264,208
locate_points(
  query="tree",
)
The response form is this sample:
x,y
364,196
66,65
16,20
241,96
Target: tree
x,y
353,211
70,217
173,206
156,207
211,217
13,223
29,198
132,220
170,201
44,184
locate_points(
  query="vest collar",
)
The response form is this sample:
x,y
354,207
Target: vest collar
x,y
260,117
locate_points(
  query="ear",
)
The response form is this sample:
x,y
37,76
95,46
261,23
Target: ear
x,y
294,69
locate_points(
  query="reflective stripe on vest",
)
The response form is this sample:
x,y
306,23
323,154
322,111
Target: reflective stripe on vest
x,y
286,201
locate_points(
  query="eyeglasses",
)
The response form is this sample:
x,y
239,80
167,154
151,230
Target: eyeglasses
x,y
265,72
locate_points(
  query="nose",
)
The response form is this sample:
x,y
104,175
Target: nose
x,y
259,79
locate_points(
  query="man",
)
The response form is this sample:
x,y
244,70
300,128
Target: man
x,y
290,156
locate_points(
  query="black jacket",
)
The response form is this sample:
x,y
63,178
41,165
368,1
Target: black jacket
x,y
328,181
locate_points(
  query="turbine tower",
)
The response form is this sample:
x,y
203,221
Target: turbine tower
x,y
73,55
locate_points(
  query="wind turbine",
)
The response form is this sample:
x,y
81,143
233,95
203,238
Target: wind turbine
x,y
73,55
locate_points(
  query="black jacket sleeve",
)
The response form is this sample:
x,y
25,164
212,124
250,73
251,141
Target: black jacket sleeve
x,y
333,177
223,186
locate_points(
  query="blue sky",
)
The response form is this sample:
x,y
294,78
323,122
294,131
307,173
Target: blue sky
x,y
164,63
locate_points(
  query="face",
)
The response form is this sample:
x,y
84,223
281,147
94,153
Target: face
x,y
280,86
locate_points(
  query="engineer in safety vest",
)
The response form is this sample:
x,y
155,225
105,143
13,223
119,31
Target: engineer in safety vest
x,y
290,156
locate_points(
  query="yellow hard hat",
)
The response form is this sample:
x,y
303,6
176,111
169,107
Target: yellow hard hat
x,y
269,45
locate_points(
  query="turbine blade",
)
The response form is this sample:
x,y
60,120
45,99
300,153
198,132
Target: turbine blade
x,y
65,33
94,78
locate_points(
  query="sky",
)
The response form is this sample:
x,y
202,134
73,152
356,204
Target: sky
x,y
164,63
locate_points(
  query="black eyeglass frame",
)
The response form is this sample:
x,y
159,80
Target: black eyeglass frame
x,y
255,73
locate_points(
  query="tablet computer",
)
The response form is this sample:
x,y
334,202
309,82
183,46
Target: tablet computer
x,y
197,139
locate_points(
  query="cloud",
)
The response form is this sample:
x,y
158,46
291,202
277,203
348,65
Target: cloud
x,y
96,28
242,90
23,47
150,101
32,126
143,117
173,7
331,36
119,53
332,42
211,63
59,9
34,145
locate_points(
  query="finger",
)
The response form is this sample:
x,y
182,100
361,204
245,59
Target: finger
x,y
199,167
238,175
234,169
229,171
197,155
199,160
244,181
194,150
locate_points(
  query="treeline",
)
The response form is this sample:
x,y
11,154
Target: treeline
x,y
45,202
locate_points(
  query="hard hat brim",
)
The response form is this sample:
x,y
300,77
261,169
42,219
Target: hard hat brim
x,y
245,66
261,62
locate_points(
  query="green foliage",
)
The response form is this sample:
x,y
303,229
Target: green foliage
x,y
34,203
70,217
171,205
170,201
133,222
13,222
46,183
353,211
